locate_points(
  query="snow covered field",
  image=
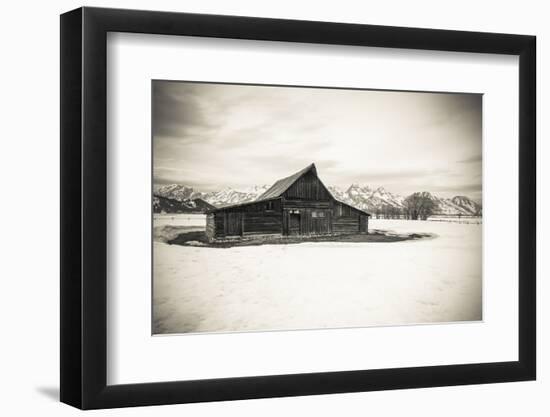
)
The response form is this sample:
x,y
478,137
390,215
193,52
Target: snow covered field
x,y
169,226
320,285
456,219
179,220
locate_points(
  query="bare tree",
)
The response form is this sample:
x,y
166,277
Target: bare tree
x,y
419,206
395,212
386,211
401,213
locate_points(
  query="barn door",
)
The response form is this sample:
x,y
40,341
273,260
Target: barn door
x,y
294,224
234,224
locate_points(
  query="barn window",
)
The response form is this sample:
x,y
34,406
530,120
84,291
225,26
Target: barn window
x,y
317,214
269,205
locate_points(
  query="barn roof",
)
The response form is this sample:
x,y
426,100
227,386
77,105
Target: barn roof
x,y
280,186
247,203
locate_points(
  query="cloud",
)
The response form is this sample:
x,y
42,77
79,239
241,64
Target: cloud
x,y
460,188
177,109
216,135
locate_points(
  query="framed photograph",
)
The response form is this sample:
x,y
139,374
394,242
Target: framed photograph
x,y
257,208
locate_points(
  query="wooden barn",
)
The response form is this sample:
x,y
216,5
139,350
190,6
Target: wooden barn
x,y
298,205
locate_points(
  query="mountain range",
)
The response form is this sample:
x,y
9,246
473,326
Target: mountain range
x,y
167,197
172,205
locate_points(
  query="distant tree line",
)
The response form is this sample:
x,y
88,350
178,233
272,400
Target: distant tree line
x,y
417,206
388,212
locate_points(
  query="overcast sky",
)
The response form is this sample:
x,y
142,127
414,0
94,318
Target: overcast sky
x,y
211,136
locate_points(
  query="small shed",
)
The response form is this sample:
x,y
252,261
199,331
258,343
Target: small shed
x,y
297,205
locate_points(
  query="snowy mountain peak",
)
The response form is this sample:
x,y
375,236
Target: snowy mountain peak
x,y
176,192
466,204
356,188
361,196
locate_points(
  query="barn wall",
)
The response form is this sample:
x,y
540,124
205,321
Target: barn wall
x,y
345,224
364,223
263,217
305,204
338,217
210,226
233,223
342,210
308,187
314,224
219,224
311,221
262,223
345,210
289,216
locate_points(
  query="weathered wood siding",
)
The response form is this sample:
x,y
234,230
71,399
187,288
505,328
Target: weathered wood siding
x,y
308,187
210,226
219,223
343,210
234,224
363,223
258,218
345,224
306,204
346,219
306,221
262,223
317,222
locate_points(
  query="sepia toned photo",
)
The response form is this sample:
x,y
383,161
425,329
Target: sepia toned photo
x,y
293,208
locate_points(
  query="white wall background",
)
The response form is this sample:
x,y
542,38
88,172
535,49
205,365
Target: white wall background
x,y
29,267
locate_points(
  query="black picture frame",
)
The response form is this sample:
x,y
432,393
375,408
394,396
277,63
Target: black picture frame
x,y
84,207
